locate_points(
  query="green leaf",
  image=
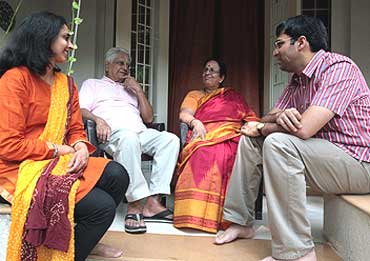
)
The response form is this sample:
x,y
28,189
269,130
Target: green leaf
x,y
77,20
72,59
75,5
70,72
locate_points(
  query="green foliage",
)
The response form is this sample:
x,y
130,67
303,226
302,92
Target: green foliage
x,y
76,21
75,5
72,59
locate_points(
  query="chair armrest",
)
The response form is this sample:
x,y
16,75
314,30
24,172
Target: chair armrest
x,y
90,129
183,131
159,126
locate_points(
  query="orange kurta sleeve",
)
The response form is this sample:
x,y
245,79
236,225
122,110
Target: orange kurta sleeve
x,y
16,100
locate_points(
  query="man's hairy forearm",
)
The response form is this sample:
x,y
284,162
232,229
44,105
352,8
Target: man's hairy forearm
x,y
270,117
271,128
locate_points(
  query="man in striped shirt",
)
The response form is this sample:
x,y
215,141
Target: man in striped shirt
x,y
318,132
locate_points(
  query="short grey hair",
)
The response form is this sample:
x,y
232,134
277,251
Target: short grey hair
x,y
112,53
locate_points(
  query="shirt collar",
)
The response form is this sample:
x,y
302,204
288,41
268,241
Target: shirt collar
x,y
313,64
105,78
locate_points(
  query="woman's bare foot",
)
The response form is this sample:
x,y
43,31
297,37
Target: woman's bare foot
x,y
310,256
234,232
104,250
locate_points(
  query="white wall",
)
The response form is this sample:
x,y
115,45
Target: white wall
x,y
341,27
161,58
123,27
360,35
351,32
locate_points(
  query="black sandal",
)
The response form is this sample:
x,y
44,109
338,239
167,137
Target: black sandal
x,y
161,217
134,229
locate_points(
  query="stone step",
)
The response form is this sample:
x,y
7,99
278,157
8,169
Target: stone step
x,y
155,247
347,225
5,209
4,228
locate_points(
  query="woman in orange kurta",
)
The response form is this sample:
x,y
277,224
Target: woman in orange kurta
x,y
215,116
45,170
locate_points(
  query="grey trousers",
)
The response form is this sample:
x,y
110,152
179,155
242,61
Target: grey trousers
x,y
288,163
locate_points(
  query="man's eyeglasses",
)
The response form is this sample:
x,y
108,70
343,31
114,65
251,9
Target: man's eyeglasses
x,y
279,43
210,71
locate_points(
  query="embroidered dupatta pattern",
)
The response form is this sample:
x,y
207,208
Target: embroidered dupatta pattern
x,y
204,167
44,199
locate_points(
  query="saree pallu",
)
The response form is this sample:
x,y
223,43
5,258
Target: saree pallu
x,y
204,167
38,181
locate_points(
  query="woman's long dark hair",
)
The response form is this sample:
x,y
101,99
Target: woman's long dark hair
x,y
30,44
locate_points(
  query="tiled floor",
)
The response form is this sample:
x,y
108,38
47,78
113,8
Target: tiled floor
x,y
315,213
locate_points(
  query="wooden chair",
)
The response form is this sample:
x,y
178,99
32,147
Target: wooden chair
x,y
259,201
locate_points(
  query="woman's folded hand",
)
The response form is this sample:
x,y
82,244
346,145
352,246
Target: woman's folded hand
x,y
79,159
198,130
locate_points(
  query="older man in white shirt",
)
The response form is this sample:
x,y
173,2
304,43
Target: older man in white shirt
x,y
120,108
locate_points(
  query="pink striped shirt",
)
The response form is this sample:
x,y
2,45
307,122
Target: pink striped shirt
x,y
334,81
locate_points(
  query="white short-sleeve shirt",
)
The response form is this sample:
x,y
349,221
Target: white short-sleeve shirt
x,y
110,101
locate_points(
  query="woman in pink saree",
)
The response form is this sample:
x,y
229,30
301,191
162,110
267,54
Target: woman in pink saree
x,y
215,116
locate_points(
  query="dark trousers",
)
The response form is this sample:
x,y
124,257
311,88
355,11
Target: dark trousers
x,y
95,212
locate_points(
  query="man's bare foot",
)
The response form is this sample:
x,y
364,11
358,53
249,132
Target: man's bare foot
x,y
310,256
153,206
104,250
134,208
234,232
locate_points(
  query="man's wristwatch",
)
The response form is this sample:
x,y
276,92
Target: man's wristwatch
x,y
259,127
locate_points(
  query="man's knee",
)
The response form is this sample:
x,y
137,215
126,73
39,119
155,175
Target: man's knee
x,y
276,141
128,141
172,139
244,141
169,141
248,143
